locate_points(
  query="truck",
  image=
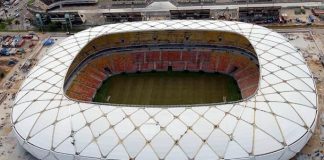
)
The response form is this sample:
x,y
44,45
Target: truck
x,y
317,12
311,18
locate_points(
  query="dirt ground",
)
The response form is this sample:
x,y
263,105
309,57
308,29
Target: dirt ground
x,y
9,147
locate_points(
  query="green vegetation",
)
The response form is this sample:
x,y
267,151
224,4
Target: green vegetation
x,y
30,2
9,21
299,11
5,23
168,88
17,23
2,26
54,26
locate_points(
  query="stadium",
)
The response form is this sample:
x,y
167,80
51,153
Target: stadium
x,y
168,90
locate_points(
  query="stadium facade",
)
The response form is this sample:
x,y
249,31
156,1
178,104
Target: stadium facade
x,y
274,122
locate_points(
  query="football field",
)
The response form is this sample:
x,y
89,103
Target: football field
x,y
168,88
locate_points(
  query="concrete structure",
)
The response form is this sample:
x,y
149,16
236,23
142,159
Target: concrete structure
x,y
152,10
259,15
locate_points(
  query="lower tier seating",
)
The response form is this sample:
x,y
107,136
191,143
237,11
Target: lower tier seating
x,y
89,78
85,84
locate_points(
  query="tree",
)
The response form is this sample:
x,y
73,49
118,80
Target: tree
x,y
9,21
2,75
54,26
17,23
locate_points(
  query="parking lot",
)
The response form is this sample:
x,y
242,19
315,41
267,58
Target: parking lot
x,y
16,11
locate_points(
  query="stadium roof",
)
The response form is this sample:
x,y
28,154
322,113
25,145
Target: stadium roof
x,y
273,124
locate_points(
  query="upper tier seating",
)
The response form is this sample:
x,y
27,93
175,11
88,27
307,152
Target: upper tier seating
x,y
162,37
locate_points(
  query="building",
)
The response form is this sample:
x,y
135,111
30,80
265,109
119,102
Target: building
x,y
190,14
82,12
259,15
273,122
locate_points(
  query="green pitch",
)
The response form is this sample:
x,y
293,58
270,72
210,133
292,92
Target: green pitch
x,y
168,88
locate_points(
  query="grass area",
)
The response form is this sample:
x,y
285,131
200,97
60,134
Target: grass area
x,y
168,88
30,2
5,23
2,26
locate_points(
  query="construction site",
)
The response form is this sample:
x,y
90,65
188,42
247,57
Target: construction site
x,y
82,16
10,83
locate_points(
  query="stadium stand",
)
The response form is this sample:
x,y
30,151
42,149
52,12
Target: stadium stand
x,y
87,81
208,51
244,70
163,37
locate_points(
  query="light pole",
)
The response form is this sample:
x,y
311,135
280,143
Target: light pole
x,y
39,21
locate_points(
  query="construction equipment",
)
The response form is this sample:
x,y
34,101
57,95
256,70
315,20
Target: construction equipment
x,y
223,16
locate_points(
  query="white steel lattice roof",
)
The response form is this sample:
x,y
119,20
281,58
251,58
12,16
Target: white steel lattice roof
x,y
273,124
